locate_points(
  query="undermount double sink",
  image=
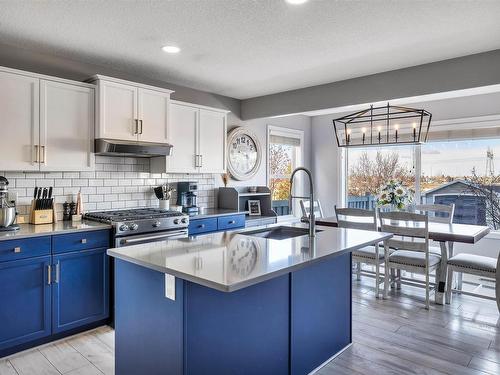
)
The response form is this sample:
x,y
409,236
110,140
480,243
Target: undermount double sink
x,y
279,233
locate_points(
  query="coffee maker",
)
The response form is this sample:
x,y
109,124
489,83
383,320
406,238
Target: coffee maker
x,y
186,197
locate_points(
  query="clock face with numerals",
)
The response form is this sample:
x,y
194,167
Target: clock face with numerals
x,y
243,254
244,154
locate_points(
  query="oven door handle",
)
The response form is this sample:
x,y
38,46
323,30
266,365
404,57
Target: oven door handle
x,y
154,238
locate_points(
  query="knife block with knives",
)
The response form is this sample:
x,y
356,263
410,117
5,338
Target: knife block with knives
x,y
42,206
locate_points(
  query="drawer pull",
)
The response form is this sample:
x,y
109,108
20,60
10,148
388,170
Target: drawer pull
x,y
232,222
17,249
84,240
201,226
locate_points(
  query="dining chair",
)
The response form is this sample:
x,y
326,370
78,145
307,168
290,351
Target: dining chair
x,y
408,250
475,265
357,218
437,213
306,208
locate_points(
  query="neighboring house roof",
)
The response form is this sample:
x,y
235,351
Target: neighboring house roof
x,y
495,188
440,187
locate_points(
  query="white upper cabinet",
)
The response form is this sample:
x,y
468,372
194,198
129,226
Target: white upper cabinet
x,y
212,146
117,111
131,111
19,116
66,126
48,122
198,135
183,125
153,117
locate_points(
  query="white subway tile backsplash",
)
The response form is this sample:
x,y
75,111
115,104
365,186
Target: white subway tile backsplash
x,y
116,183
20,183
95,182
62,183
71,174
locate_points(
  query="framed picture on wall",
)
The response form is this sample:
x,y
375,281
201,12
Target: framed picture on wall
x,y
254,207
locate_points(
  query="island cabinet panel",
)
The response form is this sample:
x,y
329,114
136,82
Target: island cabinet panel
x,y
243,332
25,295
320,297
148,326
80,292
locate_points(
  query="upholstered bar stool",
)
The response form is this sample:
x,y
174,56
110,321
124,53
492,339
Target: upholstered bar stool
x,y
474,265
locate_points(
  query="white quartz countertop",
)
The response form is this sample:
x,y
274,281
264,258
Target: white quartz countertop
x,y
228,261
59,227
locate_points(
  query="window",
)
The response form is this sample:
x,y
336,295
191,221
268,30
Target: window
x,y
284,155
370,168
451,173
460,172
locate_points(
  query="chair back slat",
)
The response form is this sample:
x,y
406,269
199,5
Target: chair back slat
x,y
356,218
437,213
407,245
402,228
305,207
411,230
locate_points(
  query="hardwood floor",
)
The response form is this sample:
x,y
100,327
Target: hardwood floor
x,y
396,336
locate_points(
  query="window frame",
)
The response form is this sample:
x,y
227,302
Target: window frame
x,y
298,185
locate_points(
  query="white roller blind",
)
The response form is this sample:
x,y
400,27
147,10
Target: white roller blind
x,y
284,140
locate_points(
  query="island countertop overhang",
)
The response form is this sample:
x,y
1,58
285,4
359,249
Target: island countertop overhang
x,y
230,261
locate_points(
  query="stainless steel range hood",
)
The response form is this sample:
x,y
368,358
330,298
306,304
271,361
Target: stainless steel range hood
x,y
111,147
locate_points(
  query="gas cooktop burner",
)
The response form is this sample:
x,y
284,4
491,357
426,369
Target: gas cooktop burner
x,y
141,220
131,214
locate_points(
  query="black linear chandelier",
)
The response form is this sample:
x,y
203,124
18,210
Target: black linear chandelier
x,y
386,125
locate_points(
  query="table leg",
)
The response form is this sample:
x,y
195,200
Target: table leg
x,y
441,283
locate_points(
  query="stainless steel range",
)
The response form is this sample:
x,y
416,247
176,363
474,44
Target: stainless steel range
x,y
141,225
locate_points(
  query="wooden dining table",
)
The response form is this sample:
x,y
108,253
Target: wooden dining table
x,y
447,235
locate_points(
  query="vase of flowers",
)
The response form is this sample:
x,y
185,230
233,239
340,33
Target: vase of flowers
x,y
393,193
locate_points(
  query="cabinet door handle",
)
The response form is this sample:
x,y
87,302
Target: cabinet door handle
x,y
201,161
58,271
196,163
140,121
17,249
136,131
42,154
49,274
36,153
84,241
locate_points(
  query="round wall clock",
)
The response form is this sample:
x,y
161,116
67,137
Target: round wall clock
x,y
243,153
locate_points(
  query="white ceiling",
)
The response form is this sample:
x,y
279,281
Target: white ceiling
x,y
248,48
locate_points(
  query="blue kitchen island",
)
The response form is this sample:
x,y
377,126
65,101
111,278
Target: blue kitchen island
x,y
261,301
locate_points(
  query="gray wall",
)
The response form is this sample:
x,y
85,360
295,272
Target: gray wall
x,y
23,59
259,127
460,73
326,163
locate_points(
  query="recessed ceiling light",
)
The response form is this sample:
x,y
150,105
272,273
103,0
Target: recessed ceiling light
x,y
296,2
171,49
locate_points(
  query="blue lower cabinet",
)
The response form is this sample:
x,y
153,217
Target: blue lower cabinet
x,y
25,301
80,290
199,226
231,222
215,224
